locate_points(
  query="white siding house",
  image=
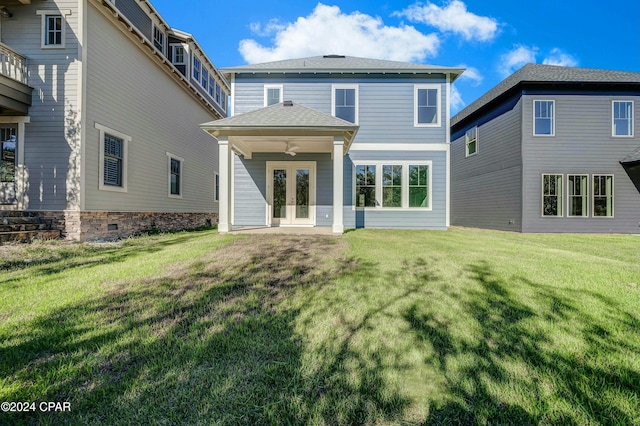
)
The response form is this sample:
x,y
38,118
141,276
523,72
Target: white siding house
x,y
105,117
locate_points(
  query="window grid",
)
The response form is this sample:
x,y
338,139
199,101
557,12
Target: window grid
x,y
365,186
218,93
158,38
273,95
552,195
345,103
544,118
418,186
196,69
205,78
178,55
622,113
113,158
471,141
602,195
427,106
7,154
392,186
578,195
175,177
53,30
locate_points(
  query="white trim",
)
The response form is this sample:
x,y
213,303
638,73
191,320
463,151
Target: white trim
x,y
405,184
125,155
82,97
396,147
232,188
448,155
44,13
292,165
273,86
231,102
21,172
170,157
173,54
560,197
593,195
436,87
8,119
613,135
223,207
357,98
568,199
553,118
338,186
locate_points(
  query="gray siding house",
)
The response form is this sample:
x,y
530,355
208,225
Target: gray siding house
x,y
335,141
100,106
550,149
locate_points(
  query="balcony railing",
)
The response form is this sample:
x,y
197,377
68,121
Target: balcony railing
x,y
13,64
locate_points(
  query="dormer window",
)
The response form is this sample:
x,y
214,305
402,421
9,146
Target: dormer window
x,y
205,78
158,38
178,55
196,69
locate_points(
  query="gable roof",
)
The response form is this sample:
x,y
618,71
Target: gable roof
x,y
634,157
547,74
342,64
287,116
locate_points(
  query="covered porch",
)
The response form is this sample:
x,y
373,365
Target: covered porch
x,y
281,166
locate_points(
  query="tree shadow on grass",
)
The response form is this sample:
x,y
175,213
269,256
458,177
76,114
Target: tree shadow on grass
x,y
512,371
208,343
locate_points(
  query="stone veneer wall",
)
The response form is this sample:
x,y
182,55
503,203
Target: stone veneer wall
x,y
89,225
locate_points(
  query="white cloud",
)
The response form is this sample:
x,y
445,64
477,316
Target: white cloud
x,y
271,27
517,58
328,30
455,18
471,74
558,57
456,100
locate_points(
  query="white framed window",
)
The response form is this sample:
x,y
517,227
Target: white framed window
x,y
622,118
344,102
205,78
178,54
53,28
217,98
551,195
272,94
578,195
223,101
212,85
544,118
113,147
398,185
471,141
196,69
216,187
175,165
426,108
158,38
8,157
602,196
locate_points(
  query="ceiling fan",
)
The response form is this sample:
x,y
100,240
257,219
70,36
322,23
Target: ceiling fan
x,y
291,149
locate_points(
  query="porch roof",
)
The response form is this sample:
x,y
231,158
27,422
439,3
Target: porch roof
x,y
283,119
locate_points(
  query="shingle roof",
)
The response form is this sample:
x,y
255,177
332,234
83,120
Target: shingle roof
x,y
538,73
339,63
632,158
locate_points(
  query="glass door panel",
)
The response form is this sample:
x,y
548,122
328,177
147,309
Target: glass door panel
x,y
302,193
280,194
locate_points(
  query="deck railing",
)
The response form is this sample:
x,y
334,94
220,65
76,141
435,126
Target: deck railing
x,y
13,64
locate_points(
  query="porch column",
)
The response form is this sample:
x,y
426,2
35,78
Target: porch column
x,y
224,157
338,185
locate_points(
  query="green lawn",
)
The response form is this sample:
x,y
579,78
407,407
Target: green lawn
x,y
375,327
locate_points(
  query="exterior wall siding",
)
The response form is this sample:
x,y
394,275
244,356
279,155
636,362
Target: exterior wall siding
x,y
142,101
386,104
52,141
486,187
582,145
134,13
250,187
386,218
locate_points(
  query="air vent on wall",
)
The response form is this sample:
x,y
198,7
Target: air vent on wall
x,y
287,103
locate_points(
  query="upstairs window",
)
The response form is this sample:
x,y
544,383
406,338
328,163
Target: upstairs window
x,y
205,78
196,69
212,85
53,28
622,118
158,38
426,105
223,101
178,55
544,118
345,102
471,141
218,93
272,94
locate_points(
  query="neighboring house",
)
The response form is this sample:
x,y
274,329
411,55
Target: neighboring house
x,y
335,141
550,149
100,104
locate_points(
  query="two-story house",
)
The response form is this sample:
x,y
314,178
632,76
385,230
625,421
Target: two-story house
x,y
335,141
100,107
550,149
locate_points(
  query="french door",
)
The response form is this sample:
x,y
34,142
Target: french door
x,y
291,192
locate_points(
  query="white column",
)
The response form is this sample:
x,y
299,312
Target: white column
x,y
338,185
21,175
224,156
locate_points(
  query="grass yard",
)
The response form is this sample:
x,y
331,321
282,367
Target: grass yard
x,y
375,327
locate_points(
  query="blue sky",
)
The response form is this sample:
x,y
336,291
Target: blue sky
x,y
490,38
